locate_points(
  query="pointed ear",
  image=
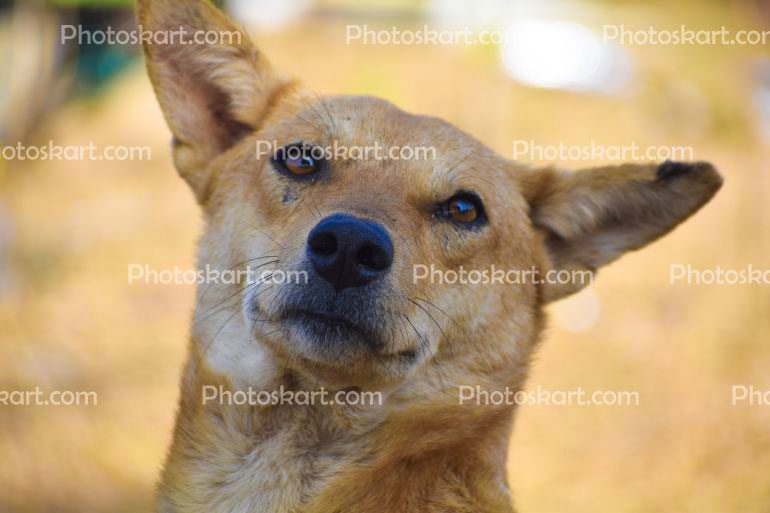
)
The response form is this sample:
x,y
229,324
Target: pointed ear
x,y
590,218
213,86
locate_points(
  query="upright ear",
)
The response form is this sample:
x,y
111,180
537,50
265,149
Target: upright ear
x,y
590,218
212,84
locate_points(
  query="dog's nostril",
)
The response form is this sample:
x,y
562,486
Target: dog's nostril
x,y
372,257
324,244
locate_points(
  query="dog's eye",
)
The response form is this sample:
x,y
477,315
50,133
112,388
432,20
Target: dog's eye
x,y
297,159
463,208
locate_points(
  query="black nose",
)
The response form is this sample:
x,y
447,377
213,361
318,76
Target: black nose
x,y
348,251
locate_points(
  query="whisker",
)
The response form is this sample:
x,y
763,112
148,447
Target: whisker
x,y
251,225
443,334
232,267
302,200
443,312
246,287
427,346
208,346
315,206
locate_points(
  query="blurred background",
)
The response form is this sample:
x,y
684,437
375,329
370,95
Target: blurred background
x,y
69,320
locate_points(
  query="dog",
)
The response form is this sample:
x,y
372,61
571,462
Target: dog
x,y
362,322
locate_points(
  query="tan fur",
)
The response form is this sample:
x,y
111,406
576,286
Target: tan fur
x,y
420,451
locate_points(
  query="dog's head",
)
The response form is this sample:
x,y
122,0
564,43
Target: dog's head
x,y
382,266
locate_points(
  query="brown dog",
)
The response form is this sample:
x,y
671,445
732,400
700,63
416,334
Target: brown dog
x,y
357,229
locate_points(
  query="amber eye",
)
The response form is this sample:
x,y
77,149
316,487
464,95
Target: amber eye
x,y
462,211
464,208
300,165
297,160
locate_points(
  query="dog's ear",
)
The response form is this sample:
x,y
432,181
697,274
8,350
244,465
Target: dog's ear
x,y
212,84
589,218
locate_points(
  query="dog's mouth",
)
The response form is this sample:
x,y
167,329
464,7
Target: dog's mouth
x,y
334,338
329,330
358,329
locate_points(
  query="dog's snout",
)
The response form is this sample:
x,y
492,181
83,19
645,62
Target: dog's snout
x,y
348,251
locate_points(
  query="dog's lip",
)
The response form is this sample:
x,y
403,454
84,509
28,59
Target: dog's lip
x,y
331,320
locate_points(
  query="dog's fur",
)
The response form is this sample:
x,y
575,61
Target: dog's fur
x,y
419,451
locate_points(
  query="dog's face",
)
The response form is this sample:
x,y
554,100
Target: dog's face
x,y
373,242
361,232
359,236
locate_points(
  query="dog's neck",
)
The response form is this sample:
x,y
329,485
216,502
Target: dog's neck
x,y
398,456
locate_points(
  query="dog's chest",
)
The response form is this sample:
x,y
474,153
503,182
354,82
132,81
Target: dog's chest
x,y
280,471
